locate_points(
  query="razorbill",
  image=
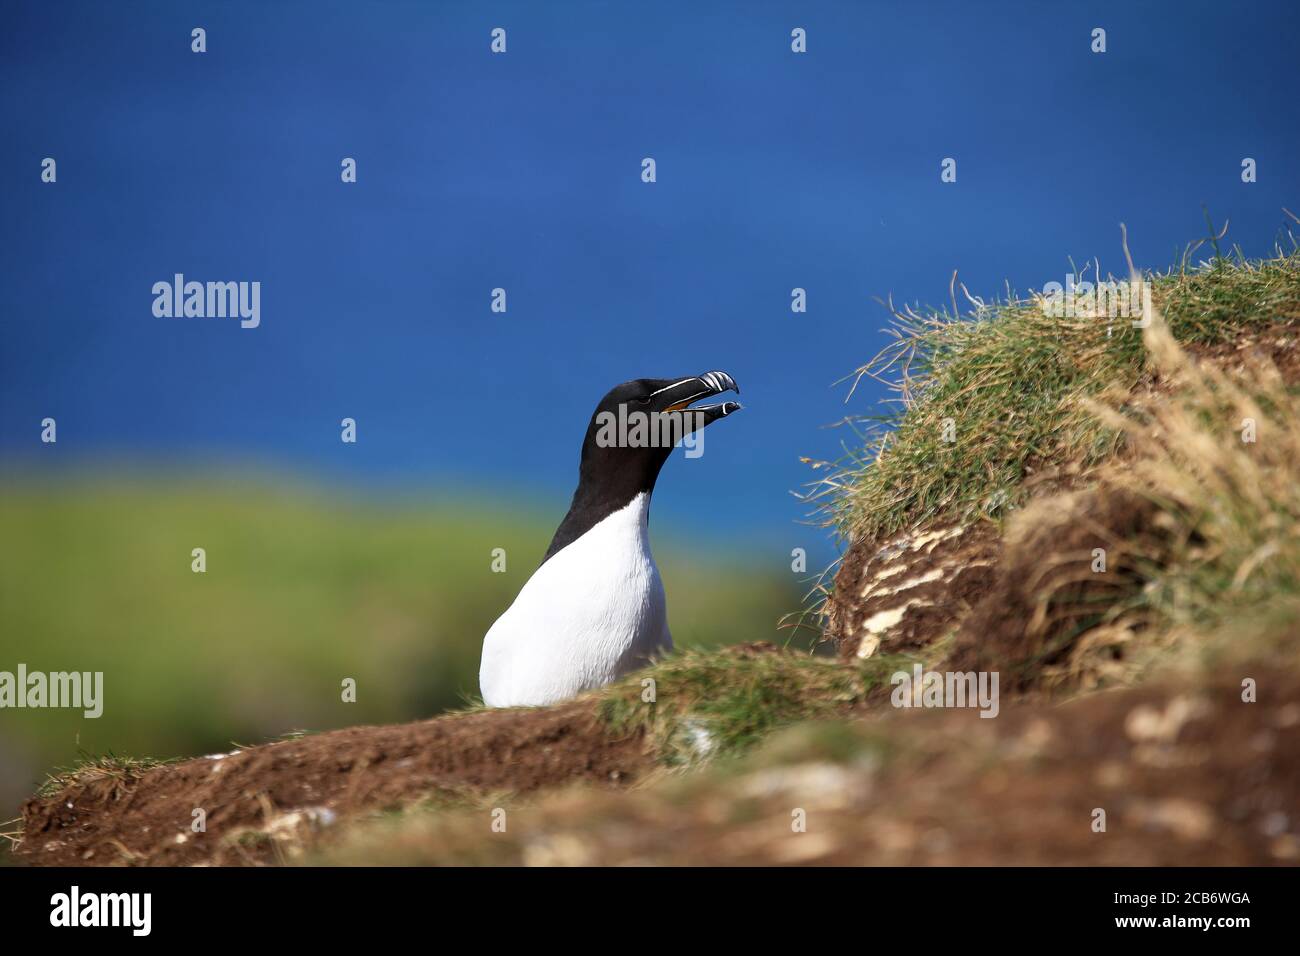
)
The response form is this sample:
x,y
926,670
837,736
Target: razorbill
x,y
594,610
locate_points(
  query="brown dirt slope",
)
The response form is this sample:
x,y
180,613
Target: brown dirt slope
x,y
146,818
1184,777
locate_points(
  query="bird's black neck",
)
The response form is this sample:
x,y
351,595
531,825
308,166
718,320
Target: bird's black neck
x,y
594,501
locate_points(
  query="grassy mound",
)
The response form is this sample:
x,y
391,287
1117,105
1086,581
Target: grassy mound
x,y
1192,535
1139,479
1011,383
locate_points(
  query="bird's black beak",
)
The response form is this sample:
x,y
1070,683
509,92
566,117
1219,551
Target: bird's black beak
x,y
678,396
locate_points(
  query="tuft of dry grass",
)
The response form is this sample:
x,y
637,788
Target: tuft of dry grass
x,y
1220,457
108,766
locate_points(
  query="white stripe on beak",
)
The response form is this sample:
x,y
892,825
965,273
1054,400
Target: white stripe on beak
x,y
667,387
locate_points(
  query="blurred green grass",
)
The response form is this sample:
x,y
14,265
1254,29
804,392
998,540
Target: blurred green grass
x,y
302,589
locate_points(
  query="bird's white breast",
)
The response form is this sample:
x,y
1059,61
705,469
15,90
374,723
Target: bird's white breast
x,y
593,612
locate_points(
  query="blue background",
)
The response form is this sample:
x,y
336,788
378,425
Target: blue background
x,y
522,170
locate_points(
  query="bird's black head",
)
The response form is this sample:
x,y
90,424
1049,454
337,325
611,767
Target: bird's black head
x,y
631,434
636,425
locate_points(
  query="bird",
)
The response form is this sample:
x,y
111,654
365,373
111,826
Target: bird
x,y
595,609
